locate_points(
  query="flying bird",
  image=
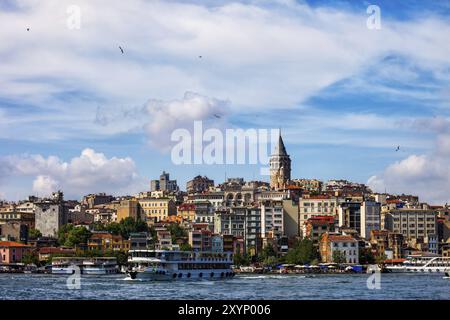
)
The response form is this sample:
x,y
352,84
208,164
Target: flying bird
x,y
217,116
28,29
121,49
398,148
200,57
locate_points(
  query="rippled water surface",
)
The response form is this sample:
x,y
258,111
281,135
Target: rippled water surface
x,y
349,286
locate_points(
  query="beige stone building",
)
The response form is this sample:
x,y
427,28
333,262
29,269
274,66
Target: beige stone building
x,y
128,208
155,210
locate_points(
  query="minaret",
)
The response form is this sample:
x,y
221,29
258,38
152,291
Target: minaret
x,y
280,166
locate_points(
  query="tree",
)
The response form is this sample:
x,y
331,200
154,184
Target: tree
x,y
113,228
380,258
30,258
34,234
303,252
130,225
270,261
124,227
121,256
185,247
268,251
339,257
366,256
71,236
241,260
176,231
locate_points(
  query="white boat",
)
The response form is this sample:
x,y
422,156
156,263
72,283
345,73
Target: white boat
x,y
423,264
95,266
179,265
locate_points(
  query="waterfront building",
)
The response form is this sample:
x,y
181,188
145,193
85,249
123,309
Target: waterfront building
x,y
200,237
140,240
446,249
258,225
346,245
164,237
233,244
349,214
105,241
379,241
315,227
12,252
231,221
280,166
414,224
216,243
199,184
432,243
45,253
384,242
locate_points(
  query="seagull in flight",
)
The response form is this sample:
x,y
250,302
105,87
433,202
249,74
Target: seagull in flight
x,y
398,148
217,116
121,49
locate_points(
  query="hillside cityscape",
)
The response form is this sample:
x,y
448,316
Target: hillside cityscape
x,y
287,221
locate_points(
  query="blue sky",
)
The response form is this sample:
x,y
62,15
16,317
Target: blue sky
x,y
345,96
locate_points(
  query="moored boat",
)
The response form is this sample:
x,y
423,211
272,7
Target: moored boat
x,y
95,266
179,265
421,264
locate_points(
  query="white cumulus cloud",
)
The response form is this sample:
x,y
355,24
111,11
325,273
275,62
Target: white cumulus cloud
x,y
167,116
90,172
426,175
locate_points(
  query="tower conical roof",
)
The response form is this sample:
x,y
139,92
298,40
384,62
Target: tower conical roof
x,y
280,150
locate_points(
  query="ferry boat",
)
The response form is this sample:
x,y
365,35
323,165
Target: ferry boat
x,y
179,265
421,264
95,266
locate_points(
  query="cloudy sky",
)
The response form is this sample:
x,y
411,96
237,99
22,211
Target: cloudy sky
x,y
77,114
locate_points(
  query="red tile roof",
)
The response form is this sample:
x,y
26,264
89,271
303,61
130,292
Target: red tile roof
x,y
321,220
340,238
13,244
